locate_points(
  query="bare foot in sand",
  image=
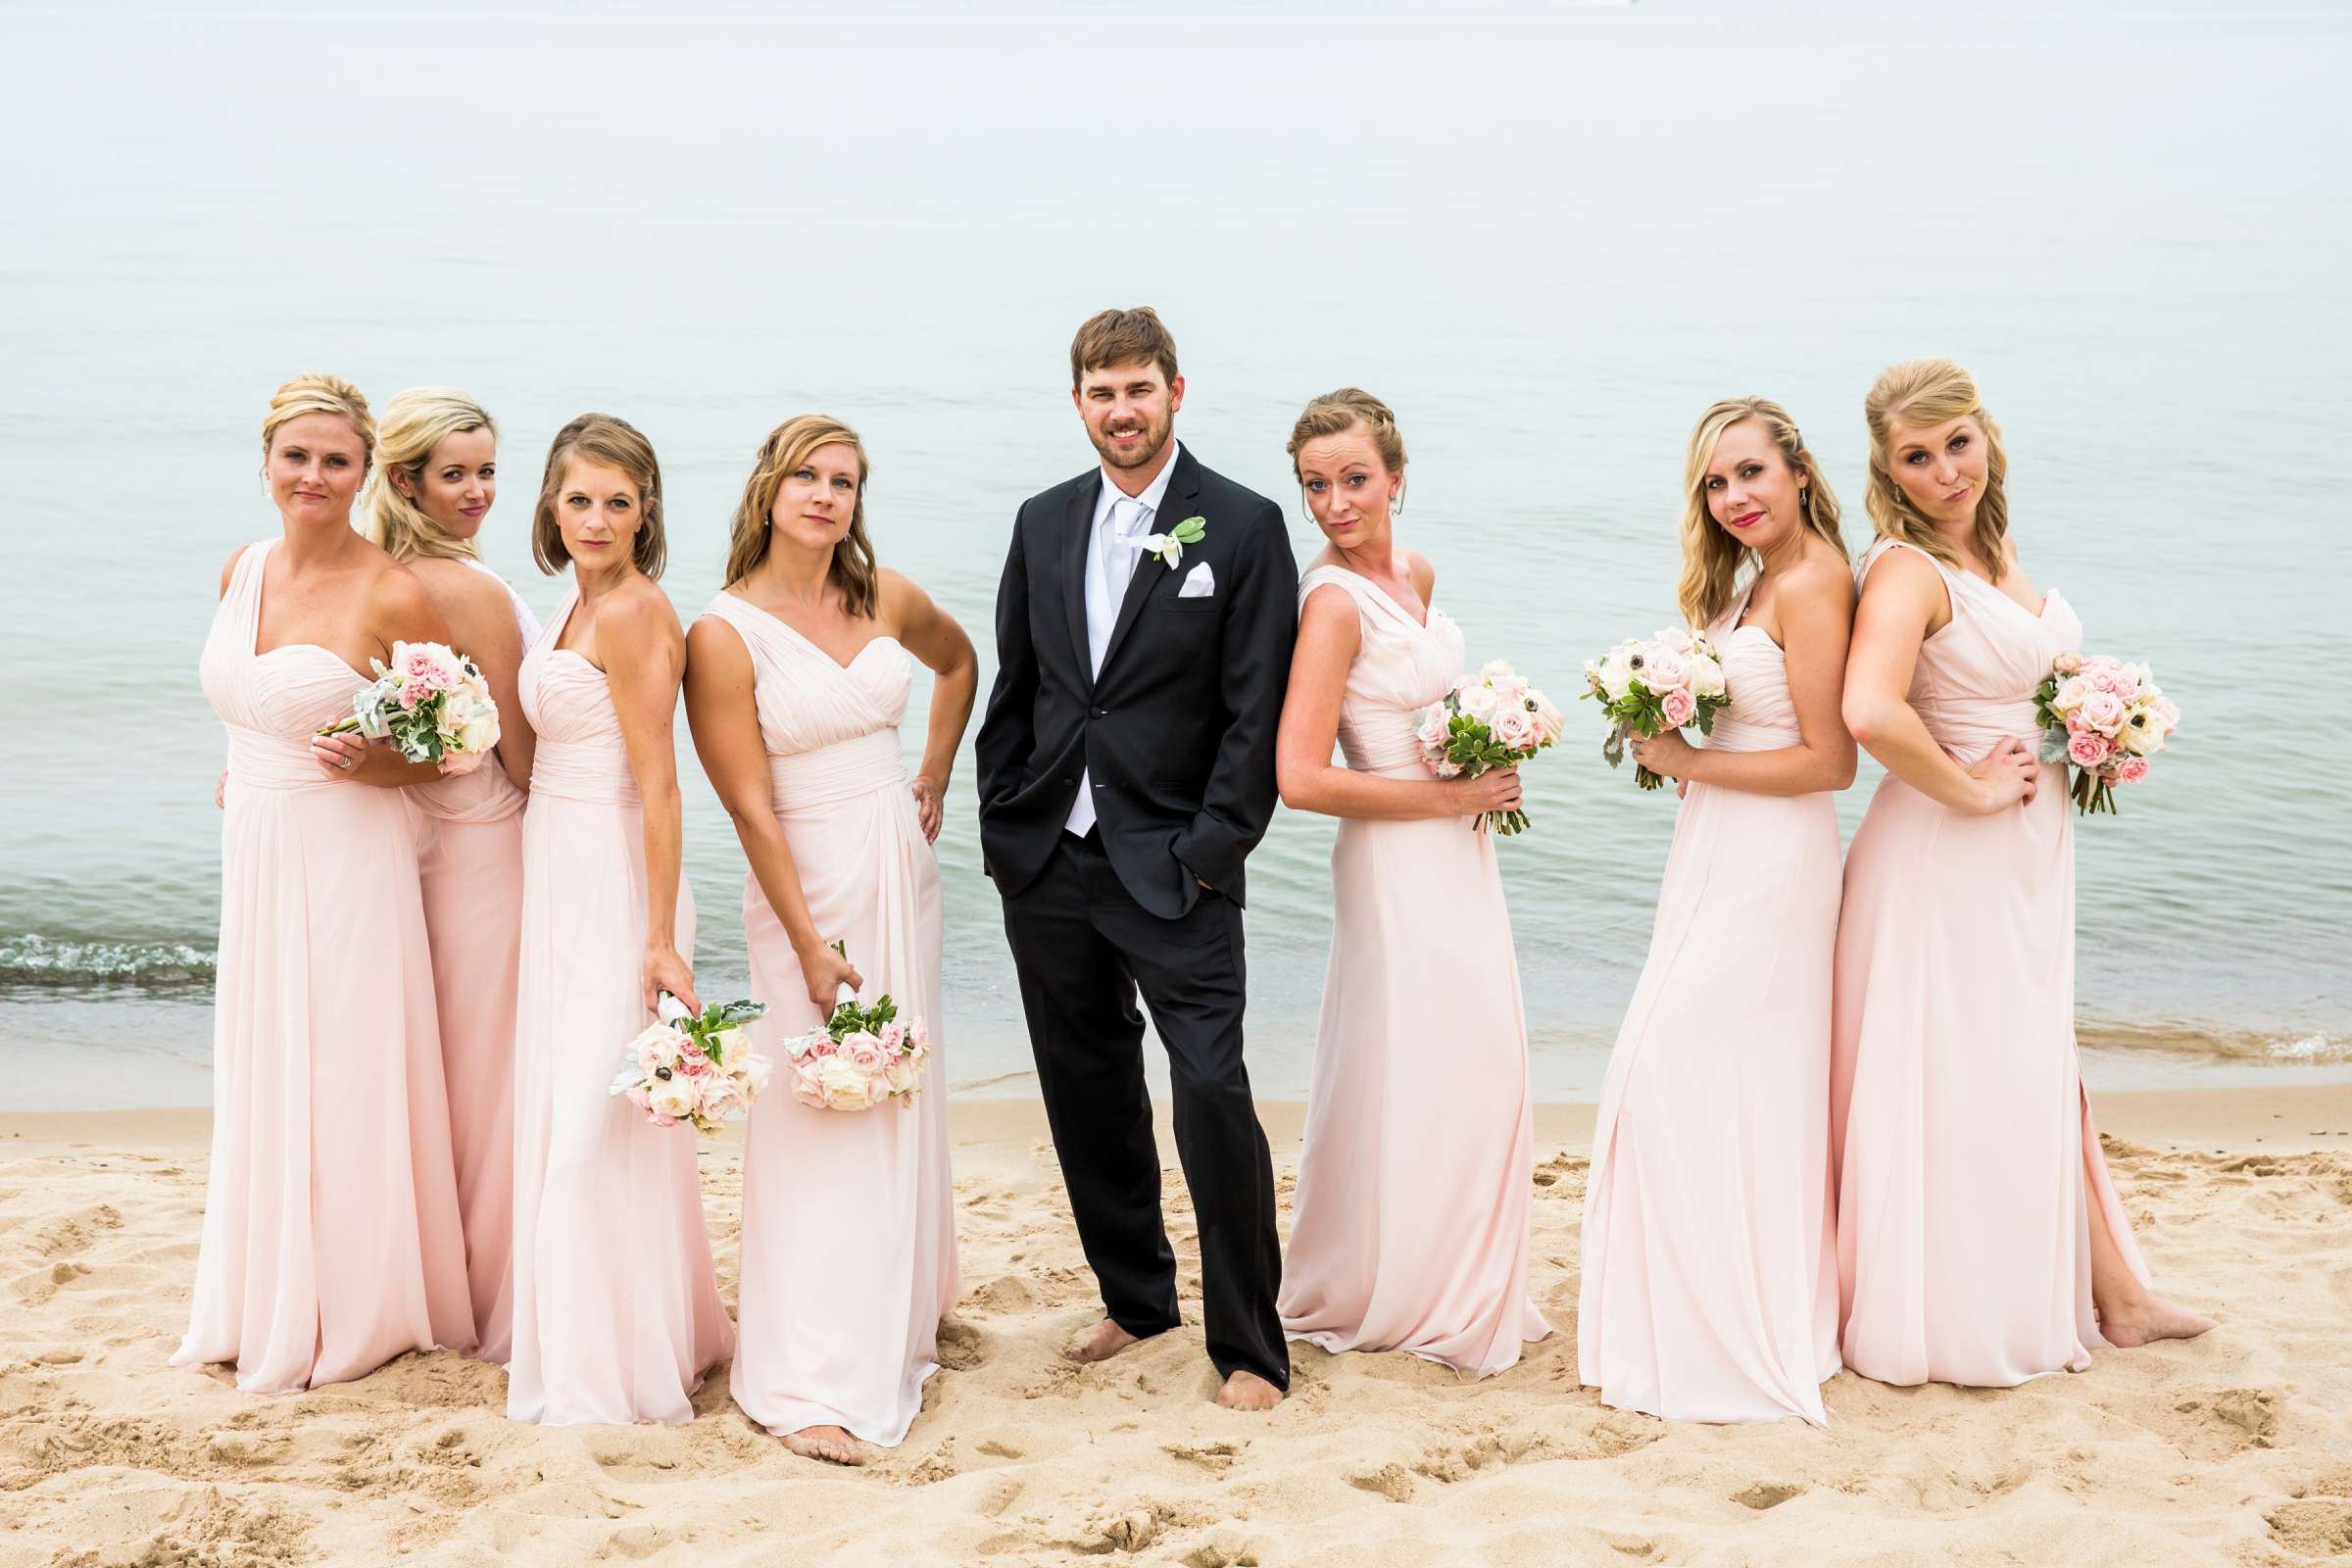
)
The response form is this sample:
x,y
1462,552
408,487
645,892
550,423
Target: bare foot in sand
x,y
2126,1325
1246,1390
1102,1341
829,1443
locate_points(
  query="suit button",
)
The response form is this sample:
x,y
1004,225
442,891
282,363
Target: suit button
x,y
1101,713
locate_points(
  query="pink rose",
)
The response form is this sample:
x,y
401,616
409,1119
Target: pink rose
x,y
866,1053
1516,728
453,764
2131,769
2102,710
2171,712
1680,708
1666,670
2087,750
2066,663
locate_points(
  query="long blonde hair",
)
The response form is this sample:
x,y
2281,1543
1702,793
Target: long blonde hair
x,y
415,421
1919,394
316,392
853,573
1711,557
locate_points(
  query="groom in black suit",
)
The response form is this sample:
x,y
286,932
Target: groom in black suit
x,y
1144,630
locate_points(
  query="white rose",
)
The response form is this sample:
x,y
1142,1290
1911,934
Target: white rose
x,y
1674,639
1706,677
2071,691
1666,670
905,1075
1480,703
843,1085
479,733
670,1097
1495,672
1617,671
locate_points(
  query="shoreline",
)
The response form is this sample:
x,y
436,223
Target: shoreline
x,y
2233,1450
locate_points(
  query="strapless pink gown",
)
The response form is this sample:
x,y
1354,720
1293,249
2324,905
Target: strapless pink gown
x,y
469,858
1966,1156
1410,1221
616,1308
1710,1271
331,1241
849,1217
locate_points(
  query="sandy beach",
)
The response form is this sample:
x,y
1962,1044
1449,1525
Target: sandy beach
x,y
2233,1449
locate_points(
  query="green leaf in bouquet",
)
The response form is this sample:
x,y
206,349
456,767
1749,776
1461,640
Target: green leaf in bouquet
x,y
727,1014
2054,745
1706,720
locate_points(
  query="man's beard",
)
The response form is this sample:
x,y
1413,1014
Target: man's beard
x,y
1154,442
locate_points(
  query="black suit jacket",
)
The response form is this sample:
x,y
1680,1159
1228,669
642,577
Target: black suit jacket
x,y
1176,735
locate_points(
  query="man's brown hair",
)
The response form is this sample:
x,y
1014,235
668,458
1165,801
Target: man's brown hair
x,y
1116,337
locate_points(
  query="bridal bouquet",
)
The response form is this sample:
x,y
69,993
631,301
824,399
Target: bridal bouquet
x,y
2105,718
1488,721
1647,686
431,703
694,1070
859,1058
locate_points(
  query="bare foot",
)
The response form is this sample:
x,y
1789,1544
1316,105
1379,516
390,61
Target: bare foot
x,y
1102,1341
1246,1390
2148,1319
829,1443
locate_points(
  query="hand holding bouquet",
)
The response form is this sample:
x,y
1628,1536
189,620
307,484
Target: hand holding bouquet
x,y
431,703
694,1070
1488,721
861,1056
1649,686
2104,718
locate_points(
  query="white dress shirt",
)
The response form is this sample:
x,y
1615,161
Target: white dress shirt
x,y
1111,548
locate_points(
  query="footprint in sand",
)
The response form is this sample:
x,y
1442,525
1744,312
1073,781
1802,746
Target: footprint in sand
x,y
2316,1527
961,1347
1767,1495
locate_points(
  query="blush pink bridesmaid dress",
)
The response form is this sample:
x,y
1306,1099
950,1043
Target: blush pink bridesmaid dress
x,y
616,1310
848,1219
1410,1220
331,1241
469,858
1710,1273
1966,1156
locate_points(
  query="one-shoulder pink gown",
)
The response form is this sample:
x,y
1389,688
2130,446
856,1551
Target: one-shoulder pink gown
x,y
848,1219
469,858
616,1308
1410,1222
331,1241
1710,1270
1966,1156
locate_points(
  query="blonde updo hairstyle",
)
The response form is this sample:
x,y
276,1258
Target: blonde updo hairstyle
x,y
318,393
1336,412
853,573
1711,557
415,421
610,442
1919,394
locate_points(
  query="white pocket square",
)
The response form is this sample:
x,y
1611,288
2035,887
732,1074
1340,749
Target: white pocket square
x,y
1199,584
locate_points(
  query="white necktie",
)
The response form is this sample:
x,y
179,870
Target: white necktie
x,y
1110,562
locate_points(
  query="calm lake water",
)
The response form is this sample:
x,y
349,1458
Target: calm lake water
x,y
1548,234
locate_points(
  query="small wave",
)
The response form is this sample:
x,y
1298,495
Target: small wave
x,y
34,962
2203,1043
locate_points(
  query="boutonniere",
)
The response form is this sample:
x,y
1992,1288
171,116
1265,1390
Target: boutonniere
x,y
1170,545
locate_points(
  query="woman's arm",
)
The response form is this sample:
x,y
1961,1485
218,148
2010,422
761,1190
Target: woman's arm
x,y
398,610
644,653
1329,635
933,636
1816,603
1904,601
481,626
722,711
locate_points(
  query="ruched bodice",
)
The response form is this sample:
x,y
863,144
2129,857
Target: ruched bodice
x,y
831,730
1975,681
272,702
1762,716
568,700
1401,668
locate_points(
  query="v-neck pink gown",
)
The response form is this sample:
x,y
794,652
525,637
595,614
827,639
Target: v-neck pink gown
x,y
616,1308
1710,1267
849,1217
469,858
331,1241
1965,1152
1410,1221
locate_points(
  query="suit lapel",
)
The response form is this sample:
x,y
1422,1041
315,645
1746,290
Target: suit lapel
x,y
1175,505
1078,525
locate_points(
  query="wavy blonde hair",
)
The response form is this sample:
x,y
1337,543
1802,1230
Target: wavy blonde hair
x,y
1917,394
316,392
613,443
414,422
1345,410
853,573
1711,557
